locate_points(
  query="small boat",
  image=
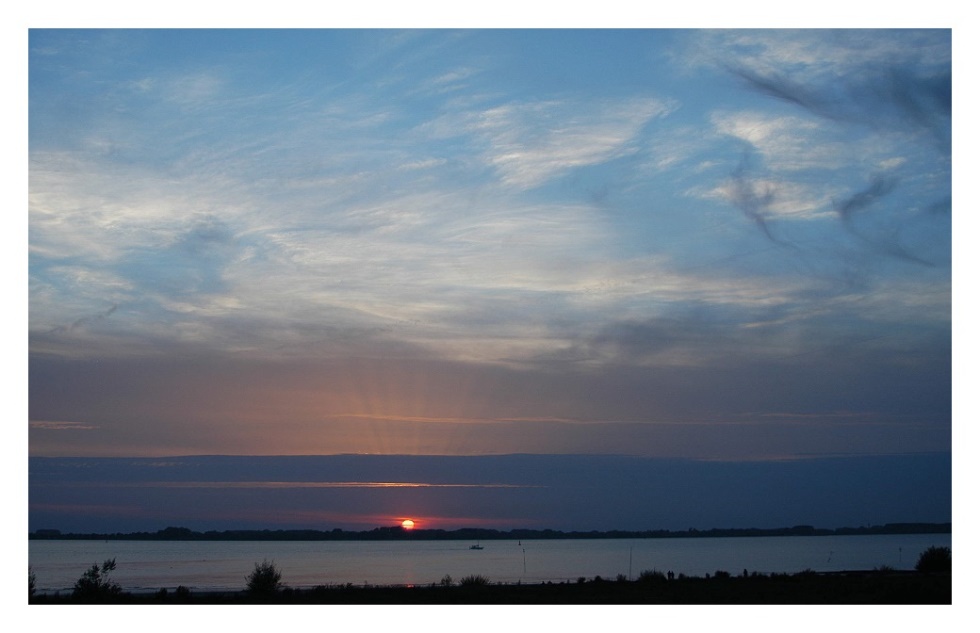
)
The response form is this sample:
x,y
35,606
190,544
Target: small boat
x,y
477,546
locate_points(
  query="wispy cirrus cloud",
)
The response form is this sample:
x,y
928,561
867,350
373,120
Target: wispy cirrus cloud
x,y
818,54
532,142
853,106
786,144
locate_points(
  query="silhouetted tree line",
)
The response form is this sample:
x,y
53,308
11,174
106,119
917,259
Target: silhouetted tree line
x,y
931,584
486,534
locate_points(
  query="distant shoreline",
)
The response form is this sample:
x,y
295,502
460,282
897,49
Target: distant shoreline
x,y
400,533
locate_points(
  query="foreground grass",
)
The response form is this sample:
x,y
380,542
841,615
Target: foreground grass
x,y
873,587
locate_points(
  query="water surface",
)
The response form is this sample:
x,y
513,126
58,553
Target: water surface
x,y
223,565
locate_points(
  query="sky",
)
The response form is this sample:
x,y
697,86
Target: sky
x,y
502,492
648,246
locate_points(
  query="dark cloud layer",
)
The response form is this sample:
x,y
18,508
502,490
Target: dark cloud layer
x,y
569,492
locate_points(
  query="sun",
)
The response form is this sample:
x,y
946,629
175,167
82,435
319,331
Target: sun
x,y
408,524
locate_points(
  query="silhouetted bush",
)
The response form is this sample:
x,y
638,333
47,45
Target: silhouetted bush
x,y
94,585
474,581
935,559
447,581
720,573
651,575
265,579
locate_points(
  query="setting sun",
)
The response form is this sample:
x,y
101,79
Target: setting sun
x,y
408,524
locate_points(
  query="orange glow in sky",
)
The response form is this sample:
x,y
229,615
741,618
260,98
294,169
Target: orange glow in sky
x,y
408,524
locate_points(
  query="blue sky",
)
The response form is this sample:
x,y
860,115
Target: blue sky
x,y
675,243
281,233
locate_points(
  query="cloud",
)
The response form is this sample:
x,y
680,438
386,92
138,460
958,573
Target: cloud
x,y
50,425
198,246
818,55
888,96
861,201
869,105
754,199
192,263
85,320
194,91
287,485
787,144
530,143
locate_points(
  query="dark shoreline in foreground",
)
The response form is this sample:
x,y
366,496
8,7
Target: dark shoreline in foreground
x,y
484,534
807,587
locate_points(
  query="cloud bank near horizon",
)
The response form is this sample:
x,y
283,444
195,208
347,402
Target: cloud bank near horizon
x,y
566,492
